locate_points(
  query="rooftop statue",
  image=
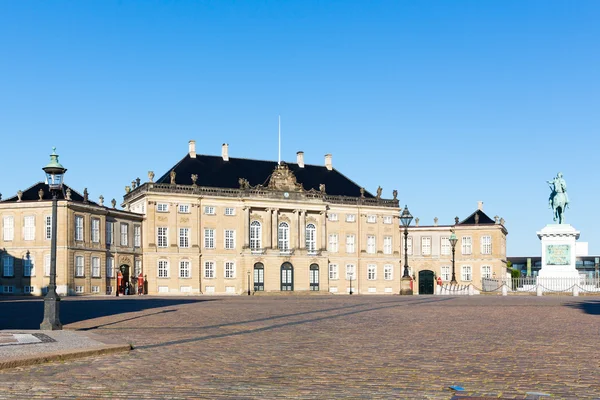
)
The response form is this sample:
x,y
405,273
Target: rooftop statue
x,y
559,200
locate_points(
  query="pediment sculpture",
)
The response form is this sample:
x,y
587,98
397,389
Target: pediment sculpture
x,y
283,179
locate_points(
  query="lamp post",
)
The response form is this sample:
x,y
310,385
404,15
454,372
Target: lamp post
x,y
350,279
406,219
249,283
54,175
453,239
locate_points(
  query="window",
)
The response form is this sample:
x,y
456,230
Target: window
x,y
229,270
311,238
229,239
445,273
29,227
209,238
95,289
95,229
138,268
332,217
184,237
79,266
486,271
350,239
161,236
255,235
388,219
466,244
350,272
209,269
110,232
48,227
184,269
445,245
28,289
8,228
162,207
371,272
163,269
137,236
371,219
333,243
426,246
79,289
371,244
229,211
387,245
95,267
184,208
8,289
486,245
47,265
124,234
466,273
79,228
283,236
333,271
28,266
350,217
388,272
409,247
209,210
110,264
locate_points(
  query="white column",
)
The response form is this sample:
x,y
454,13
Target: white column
x,y
268,226
323,216
294,229
274,230
246,227
302,229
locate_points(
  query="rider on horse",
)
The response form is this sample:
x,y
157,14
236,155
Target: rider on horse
x,y
558,195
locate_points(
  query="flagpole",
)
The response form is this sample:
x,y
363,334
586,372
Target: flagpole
x,y
279,155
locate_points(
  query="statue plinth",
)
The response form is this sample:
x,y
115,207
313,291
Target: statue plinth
x,y
558,251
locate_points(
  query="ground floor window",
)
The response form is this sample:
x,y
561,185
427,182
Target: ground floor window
x,y
259,277
314,277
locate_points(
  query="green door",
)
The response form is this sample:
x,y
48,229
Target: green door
x,y
287,277
426,282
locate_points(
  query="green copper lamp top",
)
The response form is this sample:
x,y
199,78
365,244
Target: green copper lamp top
x,y
54,164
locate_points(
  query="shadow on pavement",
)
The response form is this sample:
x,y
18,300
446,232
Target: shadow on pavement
x,y
589,307
28,313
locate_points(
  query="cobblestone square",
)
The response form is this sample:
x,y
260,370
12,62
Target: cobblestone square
x,y
320,347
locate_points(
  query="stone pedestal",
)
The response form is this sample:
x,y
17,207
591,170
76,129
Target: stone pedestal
x,y
558,251
405,286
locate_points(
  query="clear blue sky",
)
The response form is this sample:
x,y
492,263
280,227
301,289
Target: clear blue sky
x,y
450,102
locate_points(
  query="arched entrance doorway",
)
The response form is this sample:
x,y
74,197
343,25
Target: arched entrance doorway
x,y
259,277
313,277
125,284
287,277
426,282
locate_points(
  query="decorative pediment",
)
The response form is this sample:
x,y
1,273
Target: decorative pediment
x,y
283,179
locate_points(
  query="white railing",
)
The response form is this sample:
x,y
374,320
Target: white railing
x,y
538,285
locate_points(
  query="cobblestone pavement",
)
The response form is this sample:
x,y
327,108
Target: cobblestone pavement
x,y
322,347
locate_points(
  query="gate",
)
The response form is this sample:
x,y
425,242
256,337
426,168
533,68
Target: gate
x,y
426,282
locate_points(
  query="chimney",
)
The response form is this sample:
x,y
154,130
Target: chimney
x,y
480,205
300,159
328,162
192,148
225,152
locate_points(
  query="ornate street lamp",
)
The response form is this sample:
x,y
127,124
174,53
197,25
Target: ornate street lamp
x,y
54,175
350,279
406,219
453,239
249,283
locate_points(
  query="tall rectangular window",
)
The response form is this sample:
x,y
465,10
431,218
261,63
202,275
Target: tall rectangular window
x,y
184,237
137,236
333,243
409,246
371,272
110,267
255,235
48,227
445,246
486,271
163,269
8,266
110,232
388,272
387,245
229,269
466,273
486,245
333,271
138,268
47,265
95,230
426,246
161,236
95,267
445,273
229,239
29,227
8,226
466,245
78,228
184,269
350,272
124,234
209,238
371,244
209,269
350,240
79,266
28,266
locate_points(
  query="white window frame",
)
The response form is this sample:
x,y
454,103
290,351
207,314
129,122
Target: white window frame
x,y
162,236
333,243
47,261
79,228
209,210
371,272
229,236
8,228
387,245
467,245
185,269
229,270
124,233
371,244
137,269
137,236
110,267
95,267
350,244
333,272
79,289
371,219
283,236
388,219
229,211
48,227
79,267
209,270
351,271
162,269
388,272
255,235
183,209
466,273
110,232
445,246
29,227
350,217
332,216
28,266
95,227
28,289
426,245
95,289
209,238
486,245
162,207
446,273
409,245
486,271
311,238
184,237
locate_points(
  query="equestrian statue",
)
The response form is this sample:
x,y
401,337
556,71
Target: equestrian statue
x,y
559,200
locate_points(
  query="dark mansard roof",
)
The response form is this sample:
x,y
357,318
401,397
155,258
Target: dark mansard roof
x,y
483,219
32,194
